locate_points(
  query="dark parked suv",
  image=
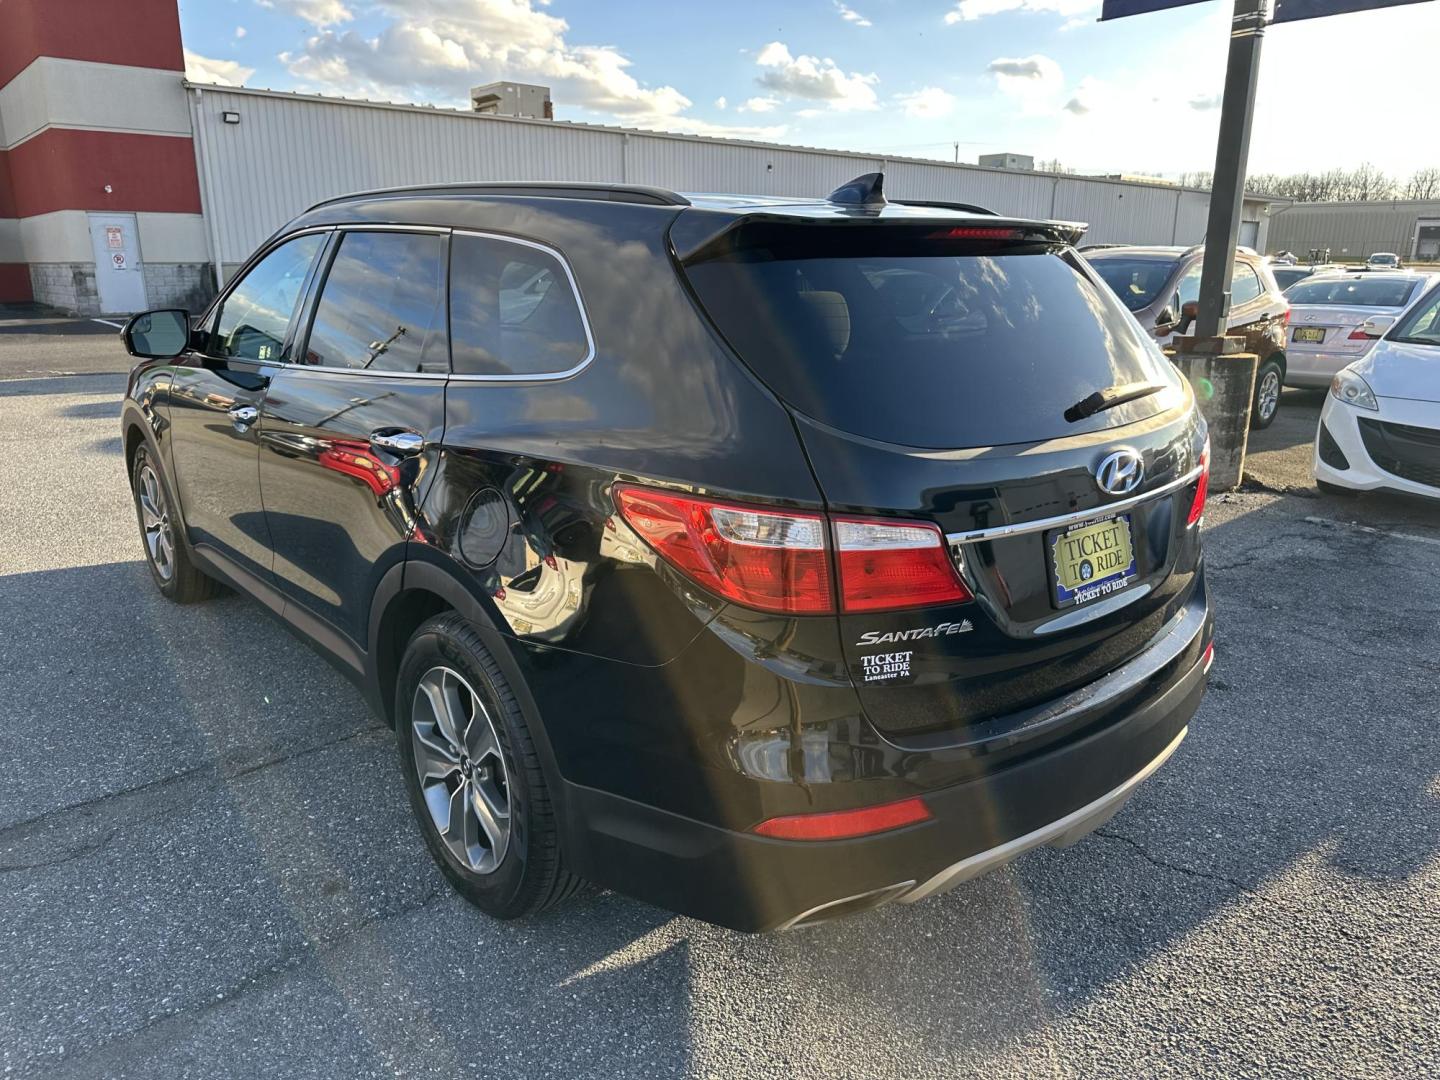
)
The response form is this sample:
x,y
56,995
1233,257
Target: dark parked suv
x,y
764,559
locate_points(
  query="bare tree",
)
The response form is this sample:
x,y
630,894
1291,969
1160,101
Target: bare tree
x,y
1423,184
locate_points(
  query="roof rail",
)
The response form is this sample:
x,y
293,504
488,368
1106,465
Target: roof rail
x,y
969,208
1195,249
629,193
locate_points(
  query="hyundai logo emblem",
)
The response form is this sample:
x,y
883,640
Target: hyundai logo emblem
x,y
1121,472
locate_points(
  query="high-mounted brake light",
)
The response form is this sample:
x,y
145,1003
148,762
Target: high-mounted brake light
x,y
771,560
1202,487
885,566
845,824
779,560
977,232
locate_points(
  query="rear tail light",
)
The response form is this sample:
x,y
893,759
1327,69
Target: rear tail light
x,y
1359,334
1285,318
770,560
845,824
885,566
1202,487
779,560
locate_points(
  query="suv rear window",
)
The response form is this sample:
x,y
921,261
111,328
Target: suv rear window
x,y
932,350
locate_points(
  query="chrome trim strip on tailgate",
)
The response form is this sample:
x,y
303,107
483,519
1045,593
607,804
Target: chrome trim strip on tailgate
x,y
1042,524
1088,817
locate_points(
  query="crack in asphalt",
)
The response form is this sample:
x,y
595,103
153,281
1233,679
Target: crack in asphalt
x,y
20,831
1187,871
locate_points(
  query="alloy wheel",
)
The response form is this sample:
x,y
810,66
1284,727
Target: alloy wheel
x,y
1269,396
461,769
155,521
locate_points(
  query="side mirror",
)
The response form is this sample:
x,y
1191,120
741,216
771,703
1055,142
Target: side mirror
x,y
1166,316
1376,325
157,335
1189,312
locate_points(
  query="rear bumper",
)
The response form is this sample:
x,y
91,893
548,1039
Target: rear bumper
x,y
753,883
1315,370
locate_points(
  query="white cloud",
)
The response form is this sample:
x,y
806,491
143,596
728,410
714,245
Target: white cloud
x,y
240,32
1025,74
969,10
850,15
204,69
720,102
314,12
437,49
760,104
815,79
1090,95
927,104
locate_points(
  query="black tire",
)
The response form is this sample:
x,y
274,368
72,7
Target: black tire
x,y
168,559
1269,382
1335,489
530,874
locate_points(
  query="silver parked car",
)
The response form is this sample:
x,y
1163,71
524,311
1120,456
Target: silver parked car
x,y
1336,319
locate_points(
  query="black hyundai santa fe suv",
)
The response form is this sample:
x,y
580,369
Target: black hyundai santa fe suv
x,y
765,559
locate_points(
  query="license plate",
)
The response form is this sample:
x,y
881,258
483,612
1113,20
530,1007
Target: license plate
x,y
1312,334
1091,560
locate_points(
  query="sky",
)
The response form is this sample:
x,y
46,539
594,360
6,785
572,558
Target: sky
x,y
904,77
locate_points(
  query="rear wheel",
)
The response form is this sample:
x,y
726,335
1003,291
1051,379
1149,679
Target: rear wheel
x,y
473,775
1268,382
175,575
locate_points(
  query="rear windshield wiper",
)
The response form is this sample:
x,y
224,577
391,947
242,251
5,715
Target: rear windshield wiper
x,y
1108,398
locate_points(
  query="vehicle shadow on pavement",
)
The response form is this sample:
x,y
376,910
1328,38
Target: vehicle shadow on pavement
x,y
209,856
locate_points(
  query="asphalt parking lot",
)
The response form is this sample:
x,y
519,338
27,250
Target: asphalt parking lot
x,y
209,867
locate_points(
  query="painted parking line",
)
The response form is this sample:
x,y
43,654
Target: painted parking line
x,y
1435,541
107,322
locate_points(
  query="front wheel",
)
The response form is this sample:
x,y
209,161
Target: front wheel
x,y
473,775
174,574
1268,382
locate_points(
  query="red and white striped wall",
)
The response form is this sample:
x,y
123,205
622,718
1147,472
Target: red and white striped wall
x,y
94,120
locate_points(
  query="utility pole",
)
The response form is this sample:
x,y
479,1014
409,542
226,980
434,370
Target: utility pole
x,y
1232,150
957,153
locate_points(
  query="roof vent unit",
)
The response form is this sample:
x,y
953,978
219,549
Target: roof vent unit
x,y
866,192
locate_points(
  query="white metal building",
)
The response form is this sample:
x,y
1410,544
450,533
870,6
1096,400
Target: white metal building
x,y
264,156
1353,230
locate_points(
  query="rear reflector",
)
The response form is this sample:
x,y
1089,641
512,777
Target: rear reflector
x,y
889,566
1208,658
770,560
845,824
1202,487
778,560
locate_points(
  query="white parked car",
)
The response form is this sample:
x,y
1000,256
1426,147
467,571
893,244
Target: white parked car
x,y
1380,427
1336,319
1383,260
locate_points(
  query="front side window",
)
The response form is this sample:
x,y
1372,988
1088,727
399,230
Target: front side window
x,y
1422,325
512,310
255,317
1245,285
382,306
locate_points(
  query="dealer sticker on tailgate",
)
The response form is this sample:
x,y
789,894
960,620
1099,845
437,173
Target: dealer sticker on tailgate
x,y
1092,560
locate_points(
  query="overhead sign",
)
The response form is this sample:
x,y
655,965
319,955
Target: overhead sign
x,y
1295,10
1119,9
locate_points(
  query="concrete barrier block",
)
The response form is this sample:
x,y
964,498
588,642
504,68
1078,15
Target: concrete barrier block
x,y
1224,386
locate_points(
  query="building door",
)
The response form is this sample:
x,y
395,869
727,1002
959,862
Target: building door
x,y
119,276
1249,234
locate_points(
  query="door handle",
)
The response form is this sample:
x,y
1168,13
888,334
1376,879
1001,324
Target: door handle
x,y
242,416
400,443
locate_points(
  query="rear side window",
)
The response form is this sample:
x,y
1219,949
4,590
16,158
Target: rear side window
x,y
1244,285
1357,291
933,351
382,307
256,315
513,310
